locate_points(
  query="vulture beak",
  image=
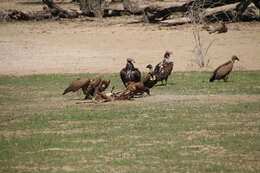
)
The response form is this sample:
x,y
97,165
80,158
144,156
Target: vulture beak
x,y
167,54
235,58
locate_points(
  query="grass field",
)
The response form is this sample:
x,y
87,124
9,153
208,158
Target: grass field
x,y
190,125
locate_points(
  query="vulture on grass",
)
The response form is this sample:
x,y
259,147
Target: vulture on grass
x,y
164,69
96,86
77,84
130,73
223,71
150,79
137,87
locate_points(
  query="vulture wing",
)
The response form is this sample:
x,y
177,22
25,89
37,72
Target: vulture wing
x,y
222,71
136,75
168,68
157,68
76,85
123,76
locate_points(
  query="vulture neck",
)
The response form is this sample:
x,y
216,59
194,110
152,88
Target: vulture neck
x,y
129,66
151,70
166,60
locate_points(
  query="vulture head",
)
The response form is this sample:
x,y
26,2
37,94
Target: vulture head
x,y
130,60
103,85
167,56
234,58
149,66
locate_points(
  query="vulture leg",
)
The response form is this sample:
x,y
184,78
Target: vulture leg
x,y
226,78
78,92
147,91
166,80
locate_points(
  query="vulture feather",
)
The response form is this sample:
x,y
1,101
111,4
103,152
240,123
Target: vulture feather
x,y
164,69
130,73
223,70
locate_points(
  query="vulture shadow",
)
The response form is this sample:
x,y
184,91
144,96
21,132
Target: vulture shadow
x,y
160,85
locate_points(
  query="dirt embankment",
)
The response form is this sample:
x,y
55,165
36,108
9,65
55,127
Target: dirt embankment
x,y
101,46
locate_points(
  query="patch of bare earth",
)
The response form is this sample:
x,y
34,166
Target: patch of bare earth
x,y
102,45
201,98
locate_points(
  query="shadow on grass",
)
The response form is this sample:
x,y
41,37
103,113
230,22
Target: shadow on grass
x,y
168,84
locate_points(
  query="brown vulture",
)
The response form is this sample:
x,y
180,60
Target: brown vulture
x,y
89,86
164,69
223,71
137,87
130,73
150,79
77,84
97,85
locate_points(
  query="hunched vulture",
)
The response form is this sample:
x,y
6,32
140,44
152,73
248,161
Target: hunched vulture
x,y
130,73
77,84
223,70
164,69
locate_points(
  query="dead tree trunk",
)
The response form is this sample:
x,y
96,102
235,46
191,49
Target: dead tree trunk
x,y
92,7
194,5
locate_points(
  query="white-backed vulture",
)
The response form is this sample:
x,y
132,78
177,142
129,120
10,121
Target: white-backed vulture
x,y
223,70
164,69
149,79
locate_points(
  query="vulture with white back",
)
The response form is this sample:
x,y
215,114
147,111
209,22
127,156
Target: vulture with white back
x,y
164,69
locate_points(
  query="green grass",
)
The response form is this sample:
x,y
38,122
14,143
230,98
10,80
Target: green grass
x,y
43,131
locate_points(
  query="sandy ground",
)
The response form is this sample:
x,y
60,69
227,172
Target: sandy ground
x,y
101,46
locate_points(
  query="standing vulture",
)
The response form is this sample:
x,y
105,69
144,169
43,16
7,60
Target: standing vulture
x,y
149,79
223,71
130,73
164,69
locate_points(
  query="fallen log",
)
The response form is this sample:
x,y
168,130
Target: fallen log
x,y
225,13
177,21
164,13
60,12
51,11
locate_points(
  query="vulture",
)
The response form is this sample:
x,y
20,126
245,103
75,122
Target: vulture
x,y
223,71
150,79
164,69
99,95
90,87
144,85
137,87
77,84
130,73
97,85
219,28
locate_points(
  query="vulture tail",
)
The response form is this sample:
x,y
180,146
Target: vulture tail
x,y
66,91
212,78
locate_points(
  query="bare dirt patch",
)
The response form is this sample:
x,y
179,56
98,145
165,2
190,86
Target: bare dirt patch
x,y
201,98
101,46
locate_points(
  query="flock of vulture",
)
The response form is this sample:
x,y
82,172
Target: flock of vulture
x,y
135,85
